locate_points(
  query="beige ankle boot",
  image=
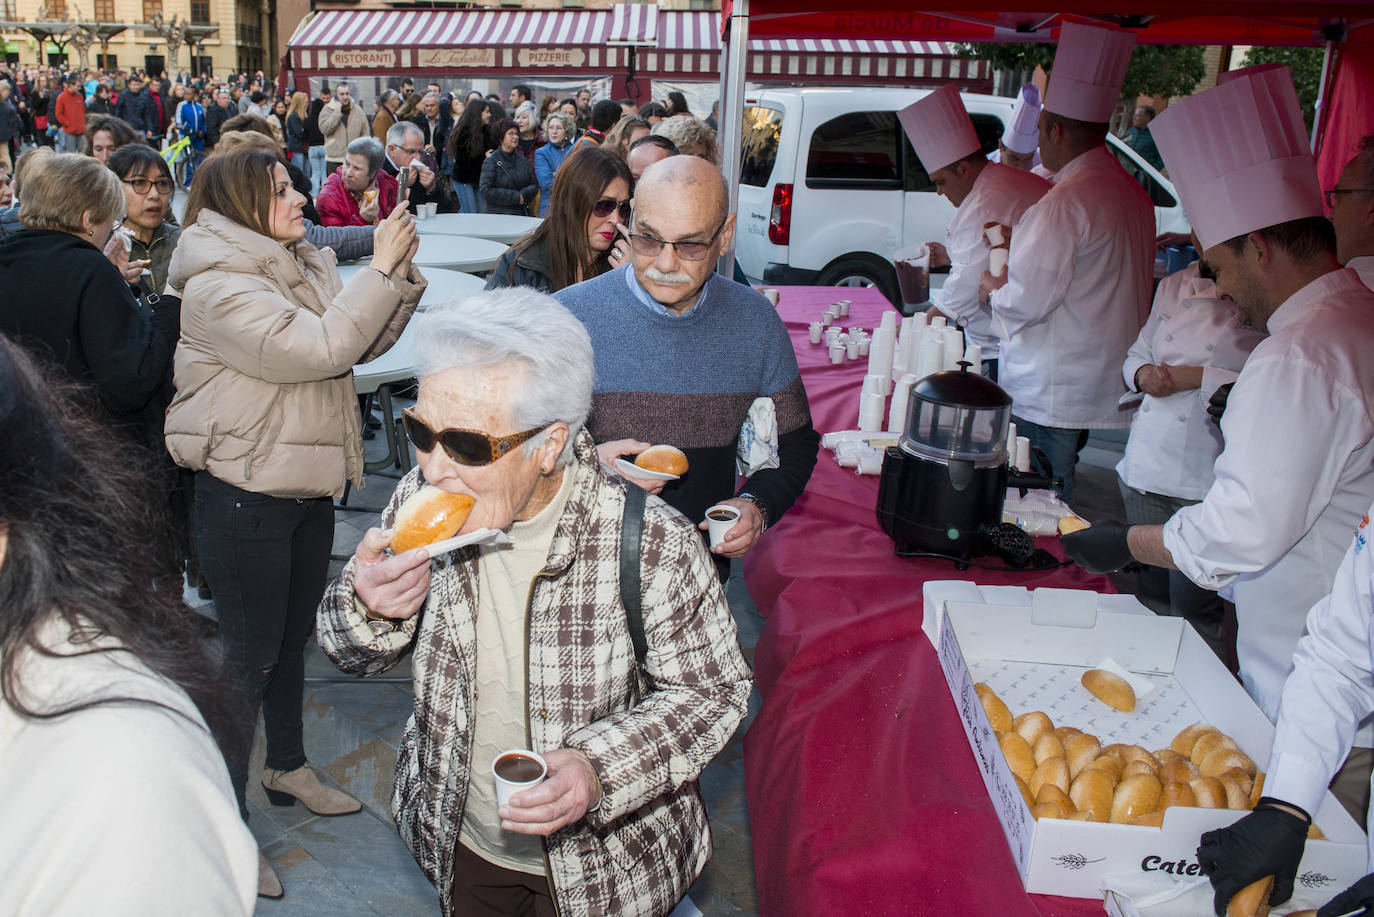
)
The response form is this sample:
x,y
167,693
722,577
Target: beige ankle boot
x,y
269,886
285,787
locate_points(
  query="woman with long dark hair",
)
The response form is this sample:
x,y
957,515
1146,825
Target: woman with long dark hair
x,y
590,202
467,148
116,799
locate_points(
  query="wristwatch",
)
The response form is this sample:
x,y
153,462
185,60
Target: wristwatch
x,y
763,510
376,623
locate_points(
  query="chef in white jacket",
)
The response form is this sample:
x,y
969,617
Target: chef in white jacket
x,y
1019,146
943,137
1352,212
1297,470
1330,691
1192,344
1077,288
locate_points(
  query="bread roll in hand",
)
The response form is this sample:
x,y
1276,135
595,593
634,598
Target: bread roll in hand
x,y
427,516
663,459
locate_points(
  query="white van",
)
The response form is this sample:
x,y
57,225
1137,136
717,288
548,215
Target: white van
x,y
830,186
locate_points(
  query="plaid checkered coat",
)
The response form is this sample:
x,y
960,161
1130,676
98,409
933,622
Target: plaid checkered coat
x,y
648,733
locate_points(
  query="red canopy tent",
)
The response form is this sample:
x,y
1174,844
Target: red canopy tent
x,y
1345,27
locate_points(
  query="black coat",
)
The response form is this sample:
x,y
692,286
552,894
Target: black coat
x,y
214,121
529,268
507,180
139,110
65,299
438,137
313,137
99,106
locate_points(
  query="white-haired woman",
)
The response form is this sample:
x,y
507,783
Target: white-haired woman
x,y
529,646
559,131
360,192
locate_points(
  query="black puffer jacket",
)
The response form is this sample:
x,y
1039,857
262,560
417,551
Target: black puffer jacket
x,y
528,268
508,184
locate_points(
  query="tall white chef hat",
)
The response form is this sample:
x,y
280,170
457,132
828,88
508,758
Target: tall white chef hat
x,y
1023,131
1227,76
1239,156
1089,65
939,127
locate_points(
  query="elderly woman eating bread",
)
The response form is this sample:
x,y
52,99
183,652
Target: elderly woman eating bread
x,y
531,645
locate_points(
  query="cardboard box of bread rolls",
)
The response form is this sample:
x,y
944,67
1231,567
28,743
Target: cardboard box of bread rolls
x,y
1032,649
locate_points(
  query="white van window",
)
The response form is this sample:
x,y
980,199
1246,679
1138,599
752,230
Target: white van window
x,y
762,131
856,151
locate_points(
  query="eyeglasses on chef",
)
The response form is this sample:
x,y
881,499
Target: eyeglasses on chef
x,y
466,447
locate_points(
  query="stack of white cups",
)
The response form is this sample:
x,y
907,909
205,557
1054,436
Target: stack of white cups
x,y
1011,444
973,355
932,355
1023,454
954,347
896,415
872,398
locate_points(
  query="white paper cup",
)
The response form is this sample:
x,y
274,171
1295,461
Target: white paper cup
x,y
1023,462
994,234
718,528
514,770
997,261
433,208
836,352
815,334
851,348
772,295
863,346
844,307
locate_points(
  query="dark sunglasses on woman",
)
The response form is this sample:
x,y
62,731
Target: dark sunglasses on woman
x,y
466,447
605,207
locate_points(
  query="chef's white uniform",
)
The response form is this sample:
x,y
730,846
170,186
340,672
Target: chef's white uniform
x,y
1077,293
996,156
1364,266
1174,441
1332,685
1295,475
1000,194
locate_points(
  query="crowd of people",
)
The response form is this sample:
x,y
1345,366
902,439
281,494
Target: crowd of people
x,y
185,387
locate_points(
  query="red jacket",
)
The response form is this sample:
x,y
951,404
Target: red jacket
x,y
338,207
71,112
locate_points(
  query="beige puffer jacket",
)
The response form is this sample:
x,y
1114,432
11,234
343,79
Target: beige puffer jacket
x,y
263,370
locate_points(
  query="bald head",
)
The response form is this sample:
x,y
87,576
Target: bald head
x,y
683,177
1352,205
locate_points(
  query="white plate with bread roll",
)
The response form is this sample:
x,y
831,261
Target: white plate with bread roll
x,y
656,463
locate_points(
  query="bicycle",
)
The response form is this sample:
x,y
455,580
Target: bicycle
x,y
179,155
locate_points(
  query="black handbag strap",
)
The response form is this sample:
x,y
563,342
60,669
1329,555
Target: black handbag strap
x,y
631,531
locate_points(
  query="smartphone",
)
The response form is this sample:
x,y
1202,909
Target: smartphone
x,y
403,177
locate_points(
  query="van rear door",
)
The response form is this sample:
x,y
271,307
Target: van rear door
x,y
760,173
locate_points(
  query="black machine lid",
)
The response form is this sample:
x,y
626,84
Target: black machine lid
x,y
961,388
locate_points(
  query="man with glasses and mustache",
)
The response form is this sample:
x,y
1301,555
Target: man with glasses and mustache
x,y
682,353
1351,204
405,150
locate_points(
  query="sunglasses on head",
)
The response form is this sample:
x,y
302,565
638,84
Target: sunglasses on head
x,y
606,206
466,447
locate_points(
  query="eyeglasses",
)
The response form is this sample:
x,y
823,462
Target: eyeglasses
x,y
1331,193
144,185
466,447
606,206
649,246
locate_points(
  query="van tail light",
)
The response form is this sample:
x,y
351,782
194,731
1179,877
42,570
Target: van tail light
x,y
780,218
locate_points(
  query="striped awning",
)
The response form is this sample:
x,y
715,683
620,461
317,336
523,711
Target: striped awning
x,y
666,44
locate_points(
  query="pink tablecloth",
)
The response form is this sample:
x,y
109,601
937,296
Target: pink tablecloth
x,y
863,794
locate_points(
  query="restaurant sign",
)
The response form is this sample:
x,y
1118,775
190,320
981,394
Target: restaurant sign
x,y
551,57
362,57
455,57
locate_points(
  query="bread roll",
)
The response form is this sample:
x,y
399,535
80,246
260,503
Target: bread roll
x,y
1080,815
1070,524
1153,819
1135,795
1025,792
1110,688
427,516
1031,724
1050,771
664,459
1047,810
1240,777
1047,746
1236,796
1108,764
1178,769
1133,753
1079,751
1184,741
1050,792
1209,743
1092,792
1138,767
1209,792
1018,755
1252,900
998,714
1165,754
1223,760
1064,732
1177,794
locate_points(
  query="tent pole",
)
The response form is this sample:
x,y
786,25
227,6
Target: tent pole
x,y
1320,113
734,59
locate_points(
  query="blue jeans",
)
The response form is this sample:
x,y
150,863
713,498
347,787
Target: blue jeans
x,y
317,175
1060,445
467,198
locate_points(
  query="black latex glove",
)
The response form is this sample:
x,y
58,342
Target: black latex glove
x,y
1216,405
1360,895
1100,548
1268,841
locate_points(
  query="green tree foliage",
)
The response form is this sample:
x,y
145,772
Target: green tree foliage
x,y
1156,70
1306,64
